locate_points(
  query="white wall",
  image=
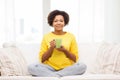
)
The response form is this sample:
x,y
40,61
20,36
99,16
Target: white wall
x,y
112,20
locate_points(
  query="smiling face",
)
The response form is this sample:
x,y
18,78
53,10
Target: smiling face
x,y
58,23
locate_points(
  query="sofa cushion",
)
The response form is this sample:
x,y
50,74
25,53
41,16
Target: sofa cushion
x,y
87,54
12,62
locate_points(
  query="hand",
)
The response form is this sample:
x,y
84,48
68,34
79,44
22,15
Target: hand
x,y
52,44
61,49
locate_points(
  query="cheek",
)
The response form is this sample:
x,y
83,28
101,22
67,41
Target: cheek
x,y
64,24
53,24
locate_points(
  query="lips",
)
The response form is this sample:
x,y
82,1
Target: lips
x,y
58,25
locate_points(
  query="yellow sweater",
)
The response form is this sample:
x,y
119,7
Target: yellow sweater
x,y
58,60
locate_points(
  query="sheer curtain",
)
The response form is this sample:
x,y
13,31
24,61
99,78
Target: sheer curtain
x,y
22,20
7,28
91,20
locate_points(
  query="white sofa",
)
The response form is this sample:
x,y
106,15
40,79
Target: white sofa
x,y
95,55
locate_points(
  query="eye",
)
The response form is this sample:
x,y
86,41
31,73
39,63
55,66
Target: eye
x,y
55,21
61,20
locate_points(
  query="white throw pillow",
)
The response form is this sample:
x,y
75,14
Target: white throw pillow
x,y
108,59
12,62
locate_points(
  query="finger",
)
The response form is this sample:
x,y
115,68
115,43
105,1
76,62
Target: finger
x,y
61,46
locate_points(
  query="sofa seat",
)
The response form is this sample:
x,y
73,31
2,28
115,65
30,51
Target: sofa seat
x,y
77,77
93,77
27,78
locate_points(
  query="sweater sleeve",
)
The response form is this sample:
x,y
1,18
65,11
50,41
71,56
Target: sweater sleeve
x,y
43,48
74,47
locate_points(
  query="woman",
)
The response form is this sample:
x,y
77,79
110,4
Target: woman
x,y
58,61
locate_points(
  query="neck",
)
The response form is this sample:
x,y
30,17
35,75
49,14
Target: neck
x,y
59,32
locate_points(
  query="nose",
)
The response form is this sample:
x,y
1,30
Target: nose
x,y
58,22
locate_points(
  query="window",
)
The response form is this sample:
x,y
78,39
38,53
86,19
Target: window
x,y
28,20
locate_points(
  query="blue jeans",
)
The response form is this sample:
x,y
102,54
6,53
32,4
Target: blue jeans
x,y
44,70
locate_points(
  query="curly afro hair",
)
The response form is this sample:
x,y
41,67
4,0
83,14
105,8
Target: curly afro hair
x,y
52,15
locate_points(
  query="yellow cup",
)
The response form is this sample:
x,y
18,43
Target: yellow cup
x,y
58,43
